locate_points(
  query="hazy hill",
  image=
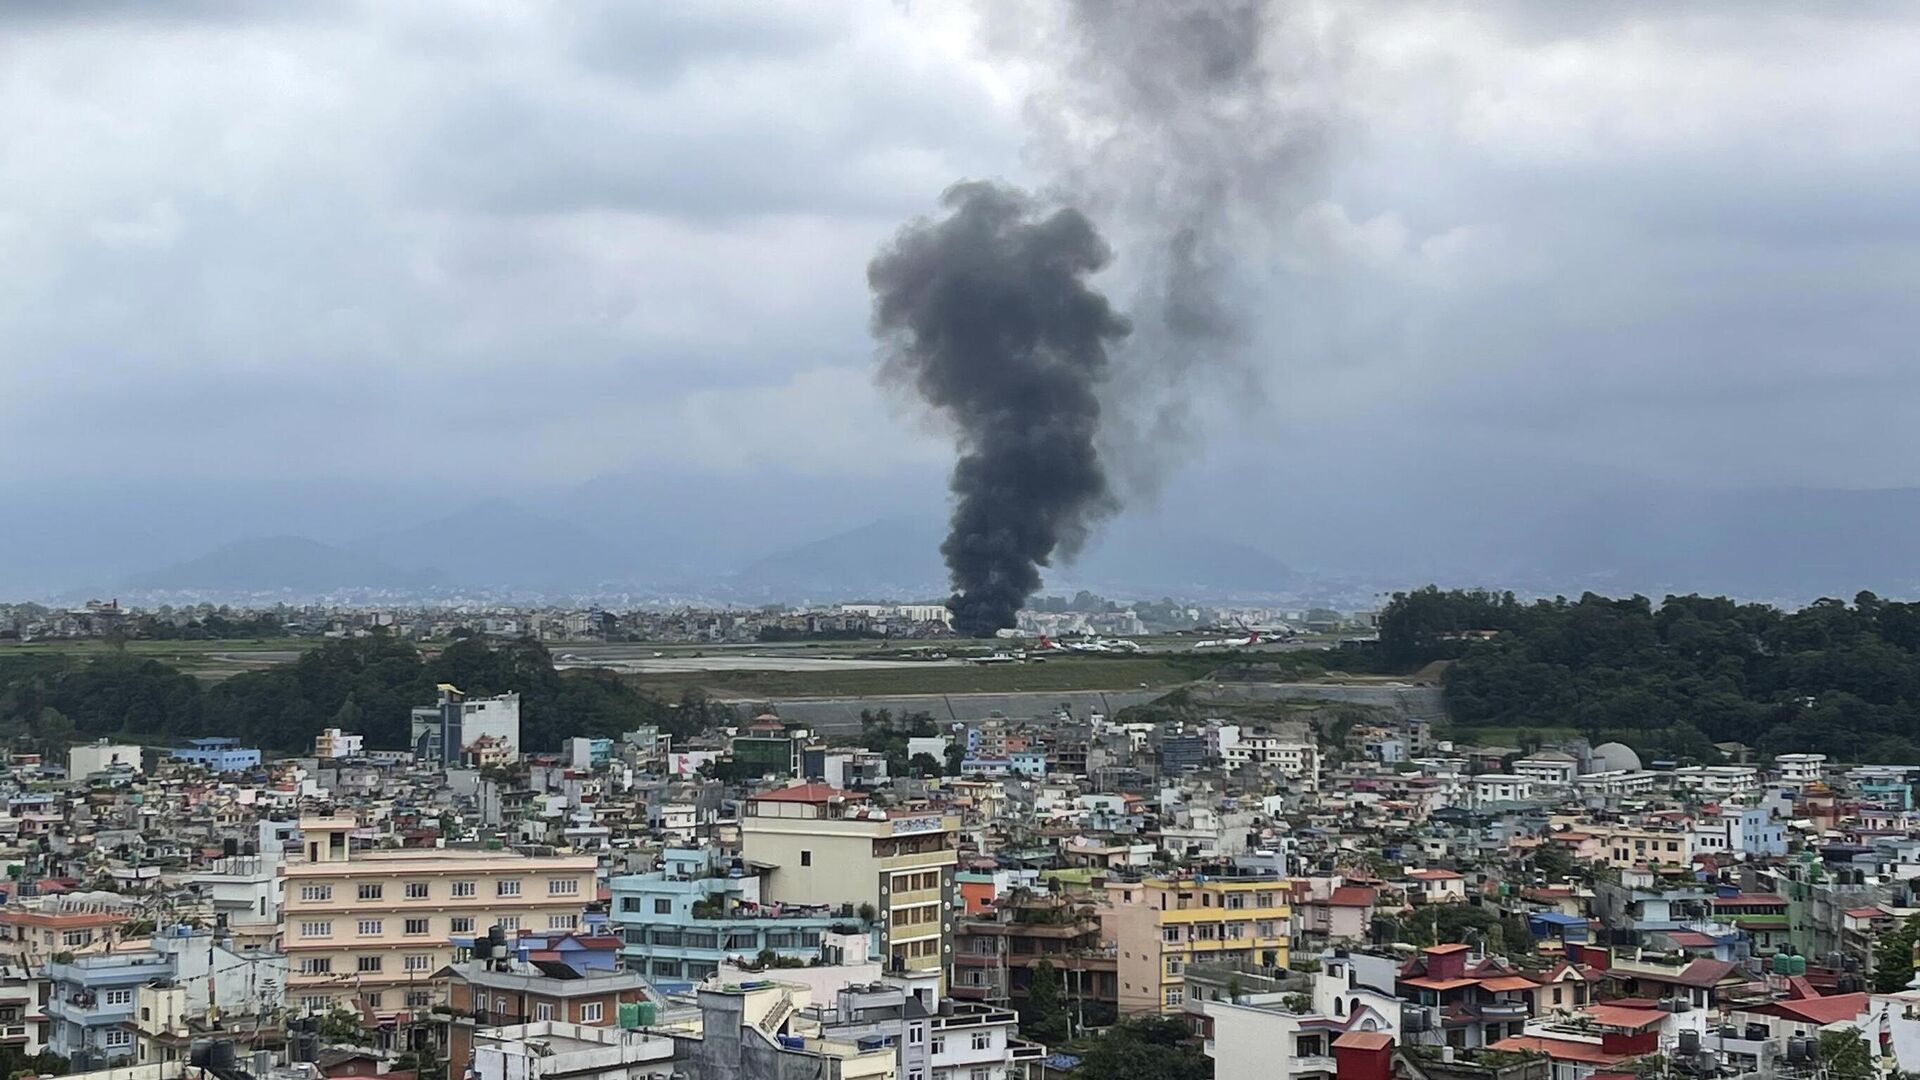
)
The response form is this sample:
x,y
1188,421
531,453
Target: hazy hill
x,y
279,564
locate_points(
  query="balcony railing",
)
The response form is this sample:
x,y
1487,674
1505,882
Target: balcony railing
x,y
1503,1010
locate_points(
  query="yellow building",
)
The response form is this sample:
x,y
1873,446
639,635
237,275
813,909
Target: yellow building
x,y
830,848
1163,924
1628,846
371,929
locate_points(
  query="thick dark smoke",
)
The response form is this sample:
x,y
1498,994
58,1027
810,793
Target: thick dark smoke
x,y
987,314
1195,131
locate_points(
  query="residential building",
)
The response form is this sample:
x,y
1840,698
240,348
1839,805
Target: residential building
x,y
1550,768
1489,789
91,1006
1800,769
218,755
491,994
554,1049
101,756
446,731
827,847
1162,924
1718,781
994,953
332,744
31,933
932,1039
703,908
368,929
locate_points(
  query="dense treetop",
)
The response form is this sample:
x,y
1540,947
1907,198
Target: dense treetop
x,y
369,685
1674,678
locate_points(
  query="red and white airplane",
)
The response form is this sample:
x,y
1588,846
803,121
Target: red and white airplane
x,y
1096,645
1252,638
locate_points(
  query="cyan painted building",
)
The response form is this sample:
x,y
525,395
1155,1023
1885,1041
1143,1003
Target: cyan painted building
x,y
664,937
218,755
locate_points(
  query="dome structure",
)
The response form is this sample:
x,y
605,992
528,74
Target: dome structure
x,y
1615,757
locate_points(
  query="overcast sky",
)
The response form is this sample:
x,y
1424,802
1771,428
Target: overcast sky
x,y
305,243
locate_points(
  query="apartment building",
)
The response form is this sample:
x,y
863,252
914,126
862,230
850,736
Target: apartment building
x,y
1163,924
369,929
1296,760
1628,846
828,847
492,995
686,919
32,933
1799,769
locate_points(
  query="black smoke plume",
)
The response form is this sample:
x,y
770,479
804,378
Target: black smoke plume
x,y
986,312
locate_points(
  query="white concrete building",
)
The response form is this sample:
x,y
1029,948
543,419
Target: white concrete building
x,y
334,743
1718,781
1297,761
1549,767
97,757
1800,768
1616,783
458,718
1489,788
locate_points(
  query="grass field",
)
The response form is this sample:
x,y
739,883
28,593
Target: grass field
x,y
204,659
1093,673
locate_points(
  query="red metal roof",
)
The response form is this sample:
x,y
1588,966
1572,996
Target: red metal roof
x,y
1352,896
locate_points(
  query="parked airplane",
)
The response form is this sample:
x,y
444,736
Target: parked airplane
x,y
1090,645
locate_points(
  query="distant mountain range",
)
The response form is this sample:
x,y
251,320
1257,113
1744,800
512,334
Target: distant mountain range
x,y
498,545
273,564
673,539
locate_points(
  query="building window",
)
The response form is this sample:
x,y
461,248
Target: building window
x,y
418,890
419,926
419,962
368,963
461,924
663,907
316,929
372,1000
369,927
371,890
117,997
938,1046
510,922
465,889
806,858
915,1033
116,1039
979,1072
1171,933
316,965
562,922
77,937
507,888
630,904
419,999
1175,997
563,887
318,1003
316,892
667,968
983,1040
543,1011
590,1012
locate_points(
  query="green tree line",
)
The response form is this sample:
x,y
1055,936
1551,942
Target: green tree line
x,y
368,684
1675,677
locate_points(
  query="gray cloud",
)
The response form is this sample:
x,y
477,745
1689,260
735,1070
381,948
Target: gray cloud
x,y
1553,248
